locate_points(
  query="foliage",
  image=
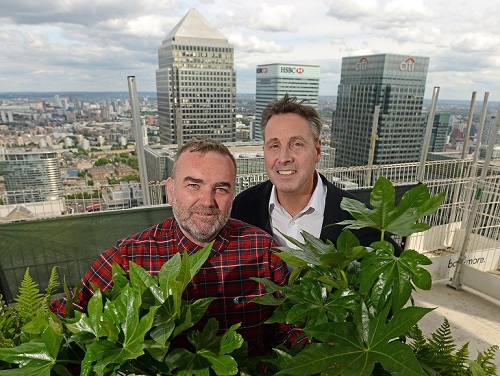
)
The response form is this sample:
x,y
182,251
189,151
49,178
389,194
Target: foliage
x,y
10,325
32,303
102,161
357,323
353,304
84,195
129,328
438,354
385,216
128,178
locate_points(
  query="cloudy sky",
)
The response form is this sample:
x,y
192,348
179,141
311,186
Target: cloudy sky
x,y
93,45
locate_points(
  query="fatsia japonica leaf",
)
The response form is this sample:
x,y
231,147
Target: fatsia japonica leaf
x,y
307,252
385,216
142,281
33,358
210,352
385,274
348,251
347,351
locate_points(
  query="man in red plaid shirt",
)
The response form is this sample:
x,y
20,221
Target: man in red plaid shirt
x,y
201,191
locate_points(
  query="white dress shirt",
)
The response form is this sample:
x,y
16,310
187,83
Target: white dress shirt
x,y
309,219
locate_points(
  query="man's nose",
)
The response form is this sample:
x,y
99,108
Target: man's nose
x,y
285,155
207,197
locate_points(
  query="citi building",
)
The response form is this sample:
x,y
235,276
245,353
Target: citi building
x,y
392,84
273,81
196,83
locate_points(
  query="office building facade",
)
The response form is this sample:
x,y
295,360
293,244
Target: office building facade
x,y
196,83
273,81
439,134
32,177
394,83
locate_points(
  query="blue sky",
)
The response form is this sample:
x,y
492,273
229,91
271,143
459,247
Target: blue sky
x,y
93,45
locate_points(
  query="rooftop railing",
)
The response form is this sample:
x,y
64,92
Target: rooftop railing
x,y
83,221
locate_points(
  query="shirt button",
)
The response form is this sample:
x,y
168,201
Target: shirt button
x,y
204,272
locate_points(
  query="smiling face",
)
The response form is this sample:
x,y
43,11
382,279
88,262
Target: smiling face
x,y
291,154
201,194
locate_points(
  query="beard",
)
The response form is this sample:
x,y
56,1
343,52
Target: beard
x,y
200,231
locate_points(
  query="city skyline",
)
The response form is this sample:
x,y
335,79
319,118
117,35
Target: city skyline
x,y
93,46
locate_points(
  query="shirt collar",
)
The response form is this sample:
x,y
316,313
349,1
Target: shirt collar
x,y
316,202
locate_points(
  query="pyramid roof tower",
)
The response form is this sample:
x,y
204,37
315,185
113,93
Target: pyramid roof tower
x,y
194,25
19,212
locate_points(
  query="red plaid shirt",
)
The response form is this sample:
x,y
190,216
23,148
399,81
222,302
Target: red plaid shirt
x,y
240,251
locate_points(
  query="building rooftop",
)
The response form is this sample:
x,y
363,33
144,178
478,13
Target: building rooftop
x,y
194,25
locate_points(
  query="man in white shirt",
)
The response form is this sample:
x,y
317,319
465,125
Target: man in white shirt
x,y
296,197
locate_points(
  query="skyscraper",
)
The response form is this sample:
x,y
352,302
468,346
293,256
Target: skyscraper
x,y
196,83
31,176
275,80
395,83
439,132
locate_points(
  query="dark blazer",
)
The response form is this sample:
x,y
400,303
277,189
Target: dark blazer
x,y
252,206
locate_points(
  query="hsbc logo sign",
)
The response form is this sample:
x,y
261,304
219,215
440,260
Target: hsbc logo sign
x,y
261,70
291,70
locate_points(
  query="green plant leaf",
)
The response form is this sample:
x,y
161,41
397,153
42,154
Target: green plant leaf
x,y
309,251
33,358
385,274
210,352
197,259
385,216
346,351
142,281
30,301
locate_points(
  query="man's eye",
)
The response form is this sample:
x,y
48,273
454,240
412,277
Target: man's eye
x,y
296,145
193,186
221,190
274,146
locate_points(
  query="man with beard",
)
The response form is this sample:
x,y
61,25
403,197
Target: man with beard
x,y
201,191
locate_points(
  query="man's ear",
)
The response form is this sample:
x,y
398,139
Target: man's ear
x,y
168,185
318,150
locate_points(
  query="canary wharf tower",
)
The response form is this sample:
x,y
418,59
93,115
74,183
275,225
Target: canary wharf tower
x,y
196,83
393,83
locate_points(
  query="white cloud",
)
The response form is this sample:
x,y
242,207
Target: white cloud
x,y
351,10
274,18
95,44
253,44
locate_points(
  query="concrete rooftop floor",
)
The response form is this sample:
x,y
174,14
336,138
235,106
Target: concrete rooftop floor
x,y
473,317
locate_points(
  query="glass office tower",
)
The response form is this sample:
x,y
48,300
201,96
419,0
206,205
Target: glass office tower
x,y
275,80
396,83
32,176
196,83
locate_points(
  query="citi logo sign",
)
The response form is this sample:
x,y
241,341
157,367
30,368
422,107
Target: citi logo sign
x,y
408,65
362,64
291,70
262,70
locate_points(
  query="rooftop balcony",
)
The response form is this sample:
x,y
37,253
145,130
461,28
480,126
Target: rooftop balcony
x,y
71,230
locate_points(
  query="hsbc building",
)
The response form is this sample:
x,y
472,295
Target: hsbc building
x,y
273,81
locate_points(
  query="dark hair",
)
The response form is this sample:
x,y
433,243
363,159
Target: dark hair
x,y
203,145
290,105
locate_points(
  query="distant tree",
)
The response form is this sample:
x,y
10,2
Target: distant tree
x,y
102,161
133,162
